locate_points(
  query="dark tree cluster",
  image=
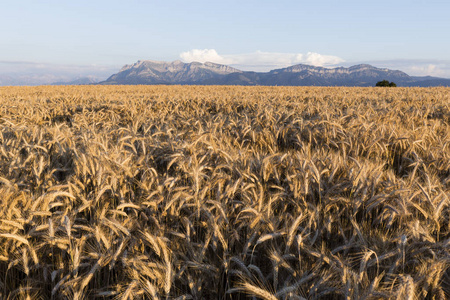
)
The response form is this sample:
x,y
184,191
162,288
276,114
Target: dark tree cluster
x,y
386,83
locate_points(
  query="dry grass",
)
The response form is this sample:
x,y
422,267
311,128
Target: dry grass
x,y
142,192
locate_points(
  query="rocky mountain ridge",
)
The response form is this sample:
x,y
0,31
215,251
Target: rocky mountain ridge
x,y
177,72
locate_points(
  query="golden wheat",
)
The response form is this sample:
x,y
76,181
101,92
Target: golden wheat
x,y
219,192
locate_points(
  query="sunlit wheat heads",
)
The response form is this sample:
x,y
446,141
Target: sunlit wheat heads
x,y
216,192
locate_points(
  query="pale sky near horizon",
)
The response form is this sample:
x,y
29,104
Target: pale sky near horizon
x,y
409,35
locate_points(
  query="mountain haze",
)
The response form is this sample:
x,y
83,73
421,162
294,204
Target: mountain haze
x,y
79,81
177,72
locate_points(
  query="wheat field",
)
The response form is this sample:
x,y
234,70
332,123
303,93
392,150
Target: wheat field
x,y
190,192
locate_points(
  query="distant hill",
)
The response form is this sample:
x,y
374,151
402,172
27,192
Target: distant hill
x,y
27,79
80,81
177,72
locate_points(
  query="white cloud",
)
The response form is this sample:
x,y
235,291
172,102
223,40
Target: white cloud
x,y
204,55
259,60
317,59
415,67
427,69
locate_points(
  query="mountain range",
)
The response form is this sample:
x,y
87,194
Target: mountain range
x,y
177,72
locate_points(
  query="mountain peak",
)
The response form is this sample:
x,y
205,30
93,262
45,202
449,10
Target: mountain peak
x,y
175,72
363,66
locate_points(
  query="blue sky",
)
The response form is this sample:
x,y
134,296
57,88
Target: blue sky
x,y
254,35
